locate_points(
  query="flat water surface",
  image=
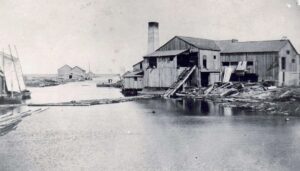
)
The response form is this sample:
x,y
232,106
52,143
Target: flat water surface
x,y
146,135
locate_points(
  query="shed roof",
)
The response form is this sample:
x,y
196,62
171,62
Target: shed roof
x,y
200,43
165,53
252,46
133,73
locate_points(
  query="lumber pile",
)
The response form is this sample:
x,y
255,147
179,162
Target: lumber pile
x,y
94,101
240,90
255,96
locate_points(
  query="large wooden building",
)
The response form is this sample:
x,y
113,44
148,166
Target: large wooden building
x,y
275,60
189,61
162,67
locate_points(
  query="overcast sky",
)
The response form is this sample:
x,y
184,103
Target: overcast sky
x,y
111,35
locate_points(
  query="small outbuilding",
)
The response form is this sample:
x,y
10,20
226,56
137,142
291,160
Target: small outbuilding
x,y
133,80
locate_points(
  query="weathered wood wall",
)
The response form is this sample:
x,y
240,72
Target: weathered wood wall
x,y
291,72
133,82
265,65
211,62
164,75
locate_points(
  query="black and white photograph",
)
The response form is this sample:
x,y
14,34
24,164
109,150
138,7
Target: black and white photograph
x,y
150,85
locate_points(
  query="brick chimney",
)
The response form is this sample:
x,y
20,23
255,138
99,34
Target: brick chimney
x,y
153,36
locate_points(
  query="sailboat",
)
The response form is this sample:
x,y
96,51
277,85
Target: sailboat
x,y
13,88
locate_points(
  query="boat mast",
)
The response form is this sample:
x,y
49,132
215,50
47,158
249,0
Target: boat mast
x,y
12,58
4,79
19,62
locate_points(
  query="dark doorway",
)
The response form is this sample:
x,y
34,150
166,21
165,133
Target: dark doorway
x,y
204,79
283,63
247,77
70,76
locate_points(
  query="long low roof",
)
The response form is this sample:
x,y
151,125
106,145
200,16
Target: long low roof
x,y
251,46
165,53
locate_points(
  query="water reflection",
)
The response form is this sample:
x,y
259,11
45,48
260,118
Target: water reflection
x,y
10,117
192,107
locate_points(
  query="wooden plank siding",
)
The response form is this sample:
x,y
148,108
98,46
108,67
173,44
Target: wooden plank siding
x,y
167,71
265,65
291,71
162,76
133,83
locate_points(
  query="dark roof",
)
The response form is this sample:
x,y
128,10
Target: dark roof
x,y
200,43
165,53
252,46
133,73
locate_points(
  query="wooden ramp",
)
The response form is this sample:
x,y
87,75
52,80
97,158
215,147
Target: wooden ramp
x,y
227,74
180,81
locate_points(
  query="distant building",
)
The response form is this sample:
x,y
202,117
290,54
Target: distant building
x,y
90,75
68,73
64,72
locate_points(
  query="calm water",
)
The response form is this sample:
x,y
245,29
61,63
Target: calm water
x,y
178,135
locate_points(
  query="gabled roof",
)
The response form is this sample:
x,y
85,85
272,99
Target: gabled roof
x,y
68,66
165,53
78,68
252,46
200,43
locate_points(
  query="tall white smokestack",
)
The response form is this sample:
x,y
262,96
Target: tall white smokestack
x,y
153,36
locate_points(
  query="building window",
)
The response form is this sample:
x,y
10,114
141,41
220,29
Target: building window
x,y
283,63
153,62
250,63
204,62
287,52
171,58
135,78
215,57
293,60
